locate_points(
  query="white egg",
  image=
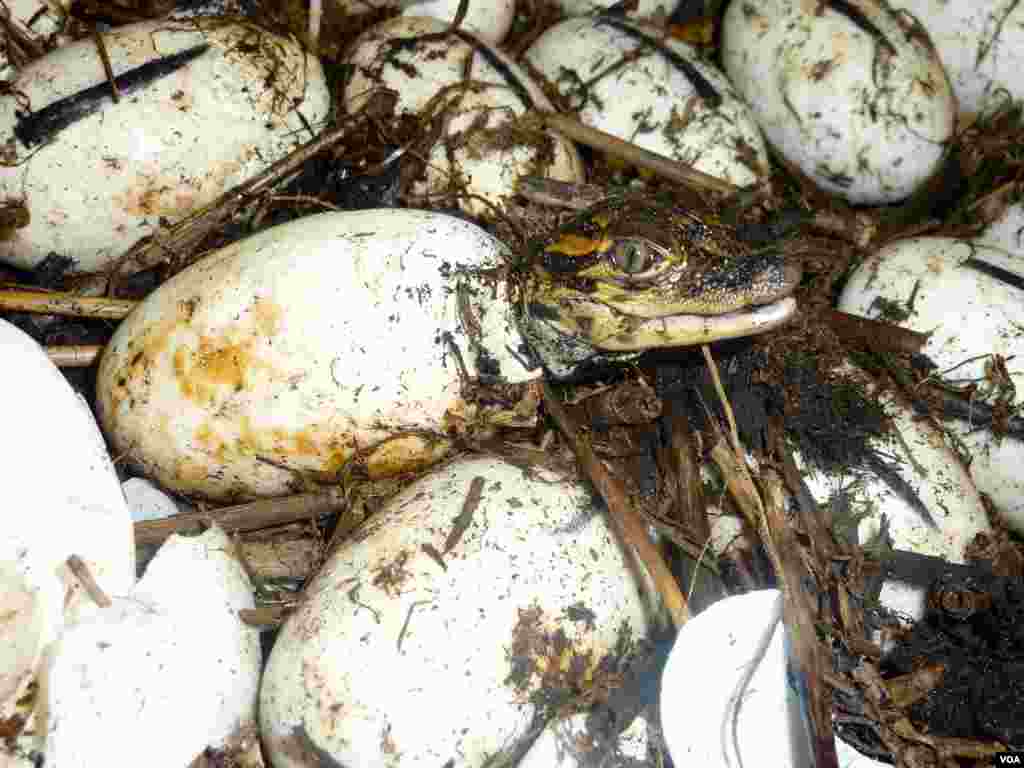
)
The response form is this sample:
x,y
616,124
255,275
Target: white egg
x,y
489,21
62,498
478,93
981,45
655,93
261,369
171,654
858,102
416,646
104,180
970,316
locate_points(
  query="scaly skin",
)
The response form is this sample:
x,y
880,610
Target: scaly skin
x,y
637,272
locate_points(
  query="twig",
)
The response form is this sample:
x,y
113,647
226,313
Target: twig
x,y
316,12
734,434
101,47
66,304
635,155
767,516
245,517
561,194
629,526
78,356
875,334
78,567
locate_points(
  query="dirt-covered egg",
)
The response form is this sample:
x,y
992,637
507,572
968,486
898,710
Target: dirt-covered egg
x,y
264,367
853,95
478,598
475,95
628,80
941,286
914,494
203,105
981,46
171,654
909,491
489,21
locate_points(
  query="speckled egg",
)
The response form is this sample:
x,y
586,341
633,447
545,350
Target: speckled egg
x,y
263,368
451,620
489,21
945,287
476,95
855,99
204,105
981,45
657,93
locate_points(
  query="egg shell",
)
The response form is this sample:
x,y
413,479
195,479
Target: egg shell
x,y
970,315
106,180
61,497
395,659
172,654
718,647
262,368
737,639
489,21
981,46
649,100
863,109
479,143
146,501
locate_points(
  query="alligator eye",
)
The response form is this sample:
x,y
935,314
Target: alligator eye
x,y
632,256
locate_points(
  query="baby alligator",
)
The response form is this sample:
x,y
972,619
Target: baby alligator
x,y
634,273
